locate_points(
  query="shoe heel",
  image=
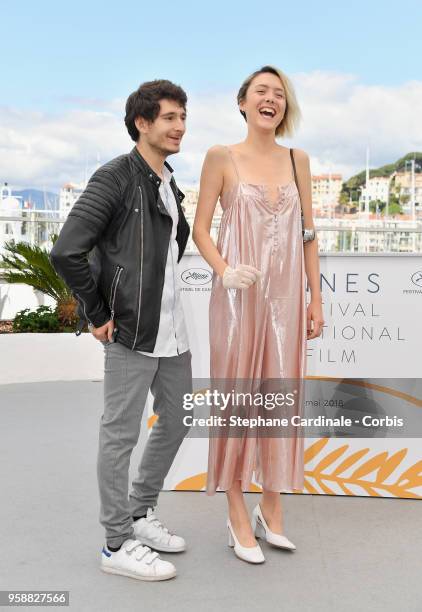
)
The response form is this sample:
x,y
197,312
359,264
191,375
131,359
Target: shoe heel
x,y
231,539
253,523
259,530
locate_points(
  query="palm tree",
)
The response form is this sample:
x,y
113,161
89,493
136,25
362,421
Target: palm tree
x,y
30,265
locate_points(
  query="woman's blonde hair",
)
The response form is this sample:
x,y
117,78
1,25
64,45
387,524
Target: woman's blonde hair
x,y
292,115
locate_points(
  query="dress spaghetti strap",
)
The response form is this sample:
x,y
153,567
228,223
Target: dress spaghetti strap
x,y
294,165
234,163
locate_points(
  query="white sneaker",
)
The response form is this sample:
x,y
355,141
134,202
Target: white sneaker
x,y
152,533
136,561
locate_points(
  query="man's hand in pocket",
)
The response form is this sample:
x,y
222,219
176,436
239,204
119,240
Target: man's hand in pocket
x,y
103,333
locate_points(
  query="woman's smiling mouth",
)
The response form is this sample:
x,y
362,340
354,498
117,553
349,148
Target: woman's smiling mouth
x,y
267,111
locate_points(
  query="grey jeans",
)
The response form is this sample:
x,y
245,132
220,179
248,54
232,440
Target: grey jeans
x,y
128,376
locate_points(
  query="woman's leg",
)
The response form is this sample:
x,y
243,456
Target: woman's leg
x,y
272,511
239,516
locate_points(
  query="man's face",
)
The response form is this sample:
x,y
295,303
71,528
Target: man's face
x,y
166,132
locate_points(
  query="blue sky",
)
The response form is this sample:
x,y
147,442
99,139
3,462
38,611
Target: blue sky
x,y
67,69
55,52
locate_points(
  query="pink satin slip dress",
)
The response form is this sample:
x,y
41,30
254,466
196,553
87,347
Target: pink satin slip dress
x,y
259,333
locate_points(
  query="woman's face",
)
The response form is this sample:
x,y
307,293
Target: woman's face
x,y
265,102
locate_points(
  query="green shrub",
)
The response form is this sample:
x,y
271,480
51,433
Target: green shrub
x,y
44,319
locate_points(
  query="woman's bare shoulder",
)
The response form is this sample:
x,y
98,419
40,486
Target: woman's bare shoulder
x,y
223,151
217,152
300,155
216,159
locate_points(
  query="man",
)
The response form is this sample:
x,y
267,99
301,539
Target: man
x,y
130,221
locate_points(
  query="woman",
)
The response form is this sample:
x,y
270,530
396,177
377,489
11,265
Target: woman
x,y
259,322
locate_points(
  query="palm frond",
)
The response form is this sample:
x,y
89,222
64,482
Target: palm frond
x,y
30,265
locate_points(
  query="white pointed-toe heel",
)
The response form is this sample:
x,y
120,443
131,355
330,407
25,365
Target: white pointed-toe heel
x,y
261,530
252,554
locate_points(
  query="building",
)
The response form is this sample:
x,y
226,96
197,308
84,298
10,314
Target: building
x,y
403,182
11,227
377,189
69,193
326,190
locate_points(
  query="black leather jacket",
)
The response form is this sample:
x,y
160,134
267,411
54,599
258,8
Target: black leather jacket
x,y
112,249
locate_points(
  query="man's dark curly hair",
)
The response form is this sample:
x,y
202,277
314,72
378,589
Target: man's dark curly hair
x,y
145,102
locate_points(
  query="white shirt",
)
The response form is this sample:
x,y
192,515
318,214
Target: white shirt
x,y
172,338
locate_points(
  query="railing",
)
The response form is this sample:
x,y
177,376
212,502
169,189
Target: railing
x,y
339,236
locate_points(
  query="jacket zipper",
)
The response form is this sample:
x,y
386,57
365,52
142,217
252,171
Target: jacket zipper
x,y
112,285
142,264
117,274
84,308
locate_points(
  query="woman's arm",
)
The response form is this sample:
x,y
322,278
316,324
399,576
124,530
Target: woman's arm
x,y
310,247
211,186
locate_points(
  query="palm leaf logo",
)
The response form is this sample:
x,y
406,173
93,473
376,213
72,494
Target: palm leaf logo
x,y
369,474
